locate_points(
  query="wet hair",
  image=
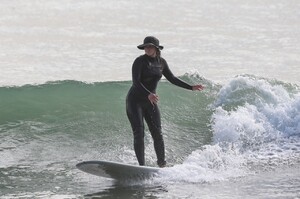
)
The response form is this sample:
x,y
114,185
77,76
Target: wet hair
x,y
158,54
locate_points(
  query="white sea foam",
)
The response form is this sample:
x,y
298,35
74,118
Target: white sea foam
x,y
263,128
258,130
209,164
273,113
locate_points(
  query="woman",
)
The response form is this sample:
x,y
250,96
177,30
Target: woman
x,y
141,101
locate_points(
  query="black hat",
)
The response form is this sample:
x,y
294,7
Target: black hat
x,y
150,41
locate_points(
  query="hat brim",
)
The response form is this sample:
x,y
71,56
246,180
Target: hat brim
x,y
142,46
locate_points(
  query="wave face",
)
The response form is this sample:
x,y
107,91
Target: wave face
x,y
244,126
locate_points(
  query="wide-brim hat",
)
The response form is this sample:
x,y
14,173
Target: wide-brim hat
x,y
150,41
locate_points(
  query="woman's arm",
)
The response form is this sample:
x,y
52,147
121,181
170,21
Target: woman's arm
x,y
176,81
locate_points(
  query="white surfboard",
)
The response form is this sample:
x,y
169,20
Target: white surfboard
x,y
117,171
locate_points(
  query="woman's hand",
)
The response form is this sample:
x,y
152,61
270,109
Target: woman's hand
x,y
153,98
198,88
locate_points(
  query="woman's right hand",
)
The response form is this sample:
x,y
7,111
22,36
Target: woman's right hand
x,y
197,87
153,98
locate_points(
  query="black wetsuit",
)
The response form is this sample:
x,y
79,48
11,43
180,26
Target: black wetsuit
x,y
146,72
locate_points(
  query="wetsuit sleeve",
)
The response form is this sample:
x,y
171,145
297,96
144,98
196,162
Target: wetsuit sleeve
x,y
171,78
136,77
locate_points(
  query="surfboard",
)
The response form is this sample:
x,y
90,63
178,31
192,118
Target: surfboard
x,y
117,171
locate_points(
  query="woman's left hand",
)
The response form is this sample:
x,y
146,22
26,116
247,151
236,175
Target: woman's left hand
x,y
198,87
153,98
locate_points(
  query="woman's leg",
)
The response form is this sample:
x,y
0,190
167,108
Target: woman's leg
x,y
135,115
152,117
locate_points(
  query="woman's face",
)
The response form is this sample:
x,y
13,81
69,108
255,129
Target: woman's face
x,y
150,51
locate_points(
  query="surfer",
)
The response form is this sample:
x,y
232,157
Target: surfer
x,y
141,100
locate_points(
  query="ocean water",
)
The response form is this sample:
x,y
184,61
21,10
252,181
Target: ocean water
x,y
65,69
